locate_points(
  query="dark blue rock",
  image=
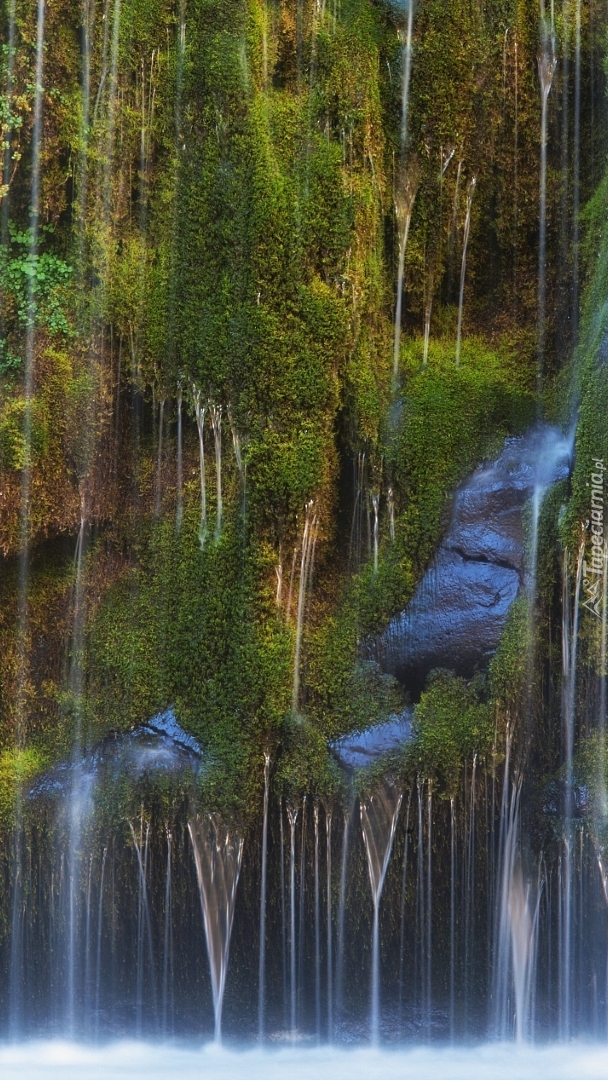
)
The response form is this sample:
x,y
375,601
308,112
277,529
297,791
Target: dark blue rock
x,y
357,751
457,614
160,746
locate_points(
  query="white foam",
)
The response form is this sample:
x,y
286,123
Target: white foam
x,y
147,1061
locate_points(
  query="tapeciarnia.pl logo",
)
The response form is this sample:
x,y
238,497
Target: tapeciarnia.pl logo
x,y
593,572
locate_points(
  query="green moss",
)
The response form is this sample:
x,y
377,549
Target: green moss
x,y
251,250
451,419
451,725
16,768
509,667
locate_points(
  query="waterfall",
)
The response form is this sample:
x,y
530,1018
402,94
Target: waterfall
x,y
117,414
167,935
403,902
291,581
463,265
108,159
576,169
279,576
390,502
375,505
407,71
162,180
518,919
515,167
453,224
409,179
330,958
428,306
79,804
216,423
452,917
88,17
98,949
469,874
564,253
429,904
603,800
283,916
420,901
238,454
147,115
159,461
317,925
430,264
570,622
379,813
546,69
199,411
87,953
106,22
523,918
302,910
341,911
309,537
292,816
179,506
23,644
357,526
218,853
262,966
144,925
7,165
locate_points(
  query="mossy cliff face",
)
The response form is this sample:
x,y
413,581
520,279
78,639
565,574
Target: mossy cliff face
x,y
217,226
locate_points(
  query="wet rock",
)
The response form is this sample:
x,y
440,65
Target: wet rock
x,y
166,724
457,614
160,746
357,751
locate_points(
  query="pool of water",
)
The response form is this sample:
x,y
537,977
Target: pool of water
x,y
145,1061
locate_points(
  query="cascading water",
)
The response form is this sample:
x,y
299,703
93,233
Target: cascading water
x,y
376,506
340,943
405,195
8,166
141,845
379,813
390,502
200,410
463,266
16,958
210,223
263,888
407,74
576,172
159,458
238,455
317,902
179,508
330,954
218,854
292,816
403,895
517,926
309,537
356,531
547,63
216,423
168,969
570,634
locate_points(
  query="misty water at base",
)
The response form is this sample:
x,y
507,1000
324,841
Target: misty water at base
x,y
136,1061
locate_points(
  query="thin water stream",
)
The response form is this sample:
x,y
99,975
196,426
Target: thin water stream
x,y
379,813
